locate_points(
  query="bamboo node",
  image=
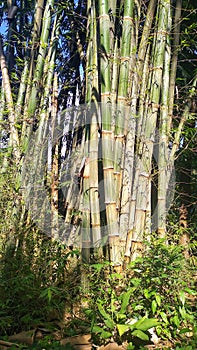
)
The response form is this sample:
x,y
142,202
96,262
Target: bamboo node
x,y
122,98
120,136
108,167
163,32
128,18
107,93
156,68
104,15
124,59
155,105
105,132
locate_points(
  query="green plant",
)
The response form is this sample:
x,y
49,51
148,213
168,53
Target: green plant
x,y
110,312
164,285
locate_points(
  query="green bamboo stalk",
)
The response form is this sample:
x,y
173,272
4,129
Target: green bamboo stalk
x,y
2,106
175,45
35,44
163,137
91,211
93,146
41,57
14,137
22,90
145,160
115,72
125,50
32,103
143,45
55,162
104,28
37,172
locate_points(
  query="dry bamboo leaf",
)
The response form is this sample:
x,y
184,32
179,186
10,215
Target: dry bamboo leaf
x,y
24,337
77,340
6,344
112,346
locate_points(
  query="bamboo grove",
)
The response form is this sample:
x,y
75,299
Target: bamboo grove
x,y
108,165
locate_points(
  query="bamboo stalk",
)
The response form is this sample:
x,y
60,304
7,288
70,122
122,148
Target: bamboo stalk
x,y
106,112
35,44
21,93
55,162
175,45
32,102
127,51
163,138
145,161
104,28
13,138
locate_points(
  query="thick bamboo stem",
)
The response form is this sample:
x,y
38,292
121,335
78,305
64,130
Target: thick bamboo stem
x,y
13,138
163,139
176,39
144,180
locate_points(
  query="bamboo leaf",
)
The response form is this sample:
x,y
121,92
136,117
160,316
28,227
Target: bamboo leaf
x,y
125,300
97,329
104,313
164,317
146,323
158,299
122,328
139,334
106,335
154,306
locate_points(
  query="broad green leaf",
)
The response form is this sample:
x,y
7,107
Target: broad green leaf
x,y
136,281
109,324
138,323
104,313
158,299
191,291
138,307
106,335
139,334
182,296
184,330
122,328
125,300
146,324
164,317
97,329
121,316
97,267
176,320
146,293
182,312
154,306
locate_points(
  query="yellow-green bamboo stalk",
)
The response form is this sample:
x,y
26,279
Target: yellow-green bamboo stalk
x,y
163,137
144,43
93,145
55,161
2,106
144,180
127,51
38,74
175,46
14,137
86,223
104,28
22,90
35,45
